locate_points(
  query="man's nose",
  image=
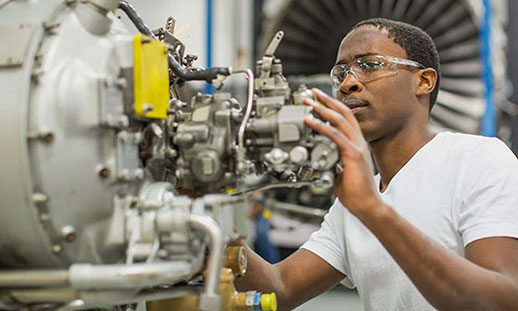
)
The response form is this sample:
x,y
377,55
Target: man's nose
x,y
350,83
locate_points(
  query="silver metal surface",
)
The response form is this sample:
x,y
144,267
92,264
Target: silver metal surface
x,y
135,276
19,37
248,111
210,299
34,278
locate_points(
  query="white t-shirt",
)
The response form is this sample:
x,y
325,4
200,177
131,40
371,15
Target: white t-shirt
x,y
456,189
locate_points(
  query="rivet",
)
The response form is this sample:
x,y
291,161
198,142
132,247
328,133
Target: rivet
x,y
56,248
139,173
68,233
104,172
48,137
39,198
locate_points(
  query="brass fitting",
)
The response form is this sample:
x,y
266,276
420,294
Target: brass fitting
x,y
235,259
231,299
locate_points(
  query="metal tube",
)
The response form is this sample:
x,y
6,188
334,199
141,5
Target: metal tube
x,y
272,186
34,278
44,295
297,209
89,277
210,299
248,112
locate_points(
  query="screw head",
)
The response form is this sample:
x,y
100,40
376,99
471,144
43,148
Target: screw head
x,y
68,233
56,249
48,137
104,172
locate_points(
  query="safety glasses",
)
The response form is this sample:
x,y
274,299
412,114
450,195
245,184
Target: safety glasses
x,y
369,68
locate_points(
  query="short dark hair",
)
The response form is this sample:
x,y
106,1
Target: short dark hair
x,y
418,45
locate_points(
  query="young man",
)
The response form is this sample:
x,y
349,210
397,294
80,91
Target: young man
x,y
438,227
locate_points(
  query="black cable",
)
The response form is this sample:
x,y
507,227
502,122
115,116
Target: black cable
x,y
184,74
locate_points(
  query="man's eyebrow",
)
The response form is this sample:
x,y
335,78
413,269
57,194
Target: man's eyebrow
x,y
340,62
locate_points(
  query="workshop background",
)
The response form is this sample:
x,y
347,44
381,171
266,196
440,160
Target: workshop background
x,y
478,47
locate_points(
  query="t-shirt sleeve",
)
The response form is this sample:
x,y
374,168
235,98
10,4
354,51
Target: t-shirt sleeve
x,y
329,241
489,205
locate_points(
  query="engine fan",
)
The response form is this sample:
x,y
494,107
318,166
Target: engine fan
x,y
314,29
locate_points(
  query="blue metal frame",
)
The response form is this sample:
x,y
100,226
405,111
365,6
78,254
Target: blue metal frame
x,y
208,87
489,120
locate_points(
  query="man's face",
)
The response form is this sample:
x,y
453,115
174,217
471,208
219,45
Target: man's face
x,y
383,107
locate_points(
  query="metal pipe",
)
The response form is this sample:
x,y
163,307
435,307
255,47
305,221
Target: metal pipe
x,y
34,278
139,275
248,112
44,295
297,184
297,209
211,298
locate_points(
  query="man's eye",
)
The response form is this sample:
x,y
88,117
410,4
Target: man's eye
x,y
340,73
371,66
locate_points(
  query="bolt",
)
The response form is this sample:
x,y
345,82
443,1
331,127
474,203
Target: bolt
x,y
133,202
68,233
39,198
48,137
36,75
124,174
50,28
104,172
162,253
121,83
123,136
123,121
171,153
147,108
139,173
137,138
56,249
44,217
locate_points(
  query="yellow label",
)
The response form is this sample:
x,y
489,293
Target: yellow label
x,y
150,77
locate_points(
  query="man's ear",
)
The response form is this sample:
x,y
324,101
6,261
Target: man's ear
x,y
427,79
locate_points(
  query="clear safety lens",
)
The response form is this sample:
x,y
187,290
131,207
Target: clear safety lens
x,y
369,68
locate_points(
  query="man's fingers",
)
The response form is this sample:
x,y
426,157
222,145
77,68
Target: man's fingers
x,y
336,119
334,134
338,106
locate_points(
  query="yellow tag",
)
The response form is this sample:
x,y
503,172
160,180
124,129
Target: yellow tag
x,y
150,77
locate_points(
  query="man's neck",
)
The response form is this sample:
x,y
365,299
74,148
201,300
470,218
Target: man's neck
x,y
392,153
